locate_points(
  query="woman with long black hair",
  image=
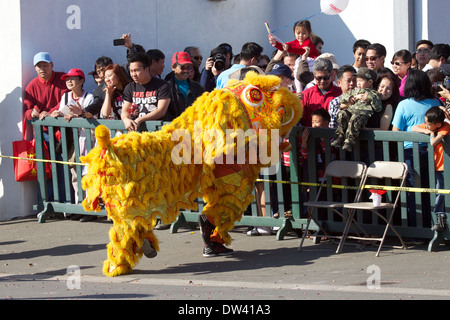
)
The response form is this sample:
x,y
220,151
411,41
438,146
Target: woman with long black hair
x,y
410,112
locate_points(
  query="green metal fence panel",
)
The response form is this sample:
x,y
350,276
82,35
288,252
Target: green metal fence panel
x,y
372,145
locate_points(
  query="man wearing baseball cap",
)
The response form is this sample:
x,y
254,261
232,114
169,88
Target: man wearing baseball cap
x,y
223,55
184,90
43,93
42,97
284,72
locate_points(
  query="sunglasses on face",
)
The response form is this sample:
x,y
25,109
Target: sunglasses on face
x,y
372,58
397,63
188,67
325,78
197,57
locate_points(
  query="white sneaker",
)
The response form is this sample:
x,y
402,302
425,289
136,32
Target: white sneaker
x,y
264,230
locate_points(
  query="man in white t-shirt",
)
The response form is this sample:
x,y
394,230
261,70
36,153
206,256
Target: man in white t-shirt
x,y
438,57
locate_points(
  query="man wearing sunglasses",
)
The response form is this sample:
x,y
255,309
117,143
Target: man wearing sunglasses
x,y
321,94
375,56
196,58
184,90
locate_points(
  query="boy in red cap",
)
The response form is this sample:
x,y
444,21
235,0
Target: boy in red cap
x,y
72,105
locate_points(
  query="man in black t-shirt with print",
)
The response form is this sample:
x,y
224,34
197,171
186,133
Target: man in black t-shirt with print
x,y
147,98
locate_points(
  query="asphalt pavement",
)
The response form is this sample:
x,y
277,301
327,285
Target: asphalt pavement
x,y
62,259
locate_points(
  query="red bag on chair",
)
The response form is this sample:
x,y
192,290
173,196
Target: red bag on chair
x,y
26,170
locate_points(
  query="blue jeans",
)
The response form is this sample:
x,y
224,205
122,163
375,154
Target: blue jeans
x,y
410,182
60,173
439,205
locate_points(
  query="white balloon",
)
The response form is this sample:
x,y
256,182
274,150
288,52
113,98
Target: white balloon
x,y
332,7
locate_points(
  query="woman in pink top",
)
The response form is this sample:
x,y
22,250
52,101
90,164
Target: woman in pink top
x,y
401,63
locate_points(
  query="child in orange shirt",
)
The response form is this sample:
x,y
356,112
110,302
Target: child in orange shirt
x,y
437,128
302,42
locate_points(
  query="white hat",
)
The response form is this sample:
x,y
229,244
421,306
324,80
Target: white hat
x,y
330,57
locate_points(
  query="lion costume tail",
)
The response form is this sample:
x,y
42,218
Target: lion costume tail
x,y
134,178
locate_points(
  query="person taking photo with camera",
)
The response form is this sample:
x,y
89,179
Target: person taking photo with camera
x,y
219,61
249,56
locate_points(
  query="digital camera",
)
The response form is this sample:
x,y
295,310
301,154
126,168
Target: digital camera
x,y
445,84
219,61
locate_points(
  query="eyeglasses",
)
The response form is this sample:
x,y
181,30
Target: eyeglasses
x,y
397,63
423,51
197,57
188,67
372,58
325,78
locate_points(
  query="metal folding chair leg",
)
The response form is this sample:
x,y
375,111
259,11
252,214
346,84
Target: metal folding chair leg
x,y
388,225
350,218
305,232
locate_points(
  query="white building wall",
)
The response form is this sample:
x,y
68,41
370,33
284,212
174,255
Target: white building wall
x,y
77,32
16,199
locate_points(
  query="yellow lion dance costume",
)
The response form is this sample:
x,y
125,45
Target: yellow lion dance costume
x,y
139,176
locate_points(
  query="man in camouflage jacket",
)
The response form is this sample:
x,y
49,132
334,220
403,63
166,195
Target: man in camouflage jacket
x,y
357,106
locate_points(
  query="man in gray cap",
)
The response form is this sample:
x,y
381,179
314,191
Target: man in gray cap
x,y
357,106
42,97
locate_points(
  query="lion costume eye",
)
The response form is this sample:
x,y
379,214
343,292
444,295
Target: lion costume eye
x,y
253,96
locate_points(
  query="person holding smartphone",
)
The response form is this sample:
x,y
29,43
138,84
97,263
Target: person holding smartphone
x,y
151,95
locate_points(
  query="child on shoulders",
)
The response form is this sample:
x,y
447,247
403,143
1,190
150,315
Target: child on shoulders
x,y
357,106
302,32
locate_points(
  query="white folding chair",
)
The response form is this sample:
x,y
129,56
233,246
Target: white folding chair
x,y
380,170
335,169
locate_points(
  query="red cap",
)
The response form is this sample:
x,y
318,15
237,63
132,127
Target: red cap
x,y
73,73
181,58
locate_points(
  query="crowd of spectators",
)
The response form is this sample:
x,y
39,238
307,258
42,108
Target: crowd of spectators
x,y
135,92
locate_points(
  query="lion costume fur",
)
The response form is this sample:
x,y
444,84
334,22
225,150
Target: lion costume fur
x,y
135,177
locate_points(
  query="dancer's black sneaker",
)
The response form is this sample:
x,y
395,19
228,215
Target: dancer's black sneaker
x,y
221,250
208,251
206,229
216,249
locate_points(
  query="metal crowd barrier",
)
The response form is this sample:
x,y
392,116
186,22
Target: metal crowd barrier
x,y
372,145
